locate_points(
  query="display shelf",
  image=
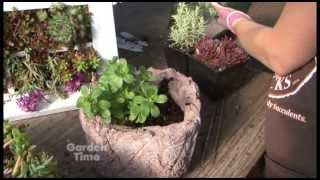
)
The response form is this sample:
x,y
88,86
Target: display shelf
x,y
104,42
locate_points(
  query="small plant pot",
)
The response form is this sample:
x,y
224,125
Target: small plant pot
x,y
150,151
176,59
220,81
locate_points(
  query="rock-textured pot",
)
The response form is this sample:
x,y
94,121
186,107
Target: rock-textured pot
x,y
151,151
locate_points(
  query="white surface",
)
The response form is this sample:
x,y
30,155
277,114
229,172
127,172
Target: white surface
x,y
12,111
104,41
103,28
7,6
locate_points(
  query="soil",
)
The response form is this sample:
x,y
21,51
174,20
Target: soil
x,y
170,112
24,29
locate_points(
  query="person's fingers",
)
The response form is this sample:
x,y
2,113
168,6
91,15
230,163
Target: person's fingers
x,y
216,5
221,21
221,10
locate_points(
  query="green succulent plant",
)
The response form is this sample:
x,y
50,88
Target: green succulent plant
x,y
122,95
61,28
59,74
26,74
68,23
188,27
84,65
42,15
21,160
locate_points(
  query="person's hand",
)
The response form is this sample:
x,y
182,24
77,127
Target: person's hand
x,y
228,17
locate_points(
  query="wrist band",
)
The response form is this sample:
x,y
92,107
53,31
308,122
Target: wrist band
x,y
235,16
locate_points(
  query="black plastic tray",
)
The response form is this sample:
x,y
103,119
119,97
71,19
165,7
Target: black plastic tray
x,y
216,83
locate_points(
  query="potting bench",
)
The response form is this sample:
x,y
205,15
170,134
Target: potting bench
x,y
242,136
241,142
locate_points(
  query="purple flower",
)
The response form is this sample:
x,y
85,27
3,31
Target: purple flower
x,y
75,84
31,101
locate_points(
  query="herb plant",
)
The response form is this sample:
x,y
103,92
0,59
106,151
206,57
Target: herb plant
x,y
21,160
122,95
188,27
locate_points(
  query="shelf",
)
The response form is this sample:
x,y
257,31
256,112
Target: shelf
x,y
12,111
104,42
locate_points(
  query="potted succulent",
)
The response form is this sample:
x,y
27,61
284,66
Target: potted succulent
x,y
146,120
21,158
217,64
47,52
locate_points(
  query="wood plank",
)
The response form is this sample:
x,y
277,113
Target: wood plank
x,y
242,136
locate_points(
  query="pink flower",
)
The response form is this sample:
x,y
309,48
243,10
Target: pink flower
x,y
31,101
75,84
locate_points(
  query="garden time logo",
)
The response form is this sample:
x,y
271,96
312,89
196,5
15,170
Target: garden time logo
x,y
85,152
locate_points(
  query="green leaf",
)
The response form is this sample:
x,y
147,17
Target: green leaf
x,y
139,100
120,100
133,116
84,90
104,82
149,90
129,95
21,141
128,78
144,110
87,108
141,119
104,104
106,116
161,99
79,102
155,112
96,92
118,110
123,67
115,82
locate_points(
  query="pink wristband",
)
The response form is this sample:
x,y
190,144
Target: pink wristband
x,y
235,16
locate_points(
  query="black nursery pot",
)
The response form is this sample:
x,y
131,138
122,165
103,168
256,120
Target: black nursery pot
x,y
217,83
177,60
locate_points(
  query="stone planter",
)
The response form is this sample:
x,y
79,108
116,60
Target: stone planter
x,y
151,151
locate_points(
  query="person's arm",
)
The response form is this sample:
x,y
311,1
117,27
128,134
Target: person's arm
x,y
286,46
